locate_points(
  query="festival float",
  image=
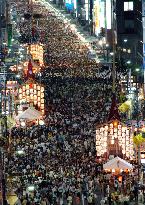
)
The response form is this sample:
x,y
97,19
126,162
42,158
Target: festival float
x,y
114,138
31,93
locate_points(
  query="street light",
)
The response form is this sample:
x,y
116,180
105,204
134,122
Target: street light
x,y
111,53
137,69
128,62
125,40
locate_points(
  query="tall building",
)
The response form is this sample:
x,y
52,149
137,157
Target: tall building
x,y
129,30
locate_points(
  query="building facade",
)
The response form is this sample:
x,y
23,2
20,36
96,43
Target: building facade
x,y
129,30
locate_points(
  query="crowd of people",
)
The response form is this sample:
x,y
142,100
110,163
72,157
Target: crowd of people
x,y
58,160
62,168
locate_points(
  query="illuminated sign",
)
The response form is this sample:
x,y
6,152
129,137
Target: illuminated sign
x,y
69,4
99,16
108,14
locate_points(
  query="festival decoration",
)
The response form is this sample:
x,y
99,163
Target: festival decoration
x,y
36,50
114,139
33,94
114,114
30,70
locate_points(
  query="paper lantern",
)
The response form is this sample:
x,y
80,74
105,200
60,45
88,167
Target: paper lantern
x,y
42,95
38,93
119,127
31,90
42,100
20,96
38,87
112,141
24,88
34,86
106,127
111,125
20,90
123,129
111,131
115,123
27,92
27,87
31,96
35,97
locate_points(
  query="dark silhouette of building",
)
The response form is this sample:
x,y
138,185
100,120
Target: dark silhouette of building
x,y
129,30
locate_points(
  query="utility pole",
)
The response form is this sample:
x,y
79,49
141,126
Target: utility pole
x,y
113,48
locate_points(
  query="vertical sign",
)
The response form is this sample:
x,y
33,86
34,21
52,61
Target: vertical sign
x,y
108,14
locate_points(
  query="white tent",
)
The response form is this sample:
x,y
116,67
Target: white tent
x,y
30,114
117,163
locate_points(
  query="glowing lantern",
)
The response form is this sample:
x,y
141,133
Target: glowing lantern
x,y
20,90
42,100
31,90
42,89
27,92
34,86
35,97
38,93
20,96
107,136
27,87
38,87
115,123
23,88
42,95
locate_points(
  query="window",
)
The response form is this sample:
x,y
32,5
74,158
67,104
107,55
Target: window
x,y
128,6
129,24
